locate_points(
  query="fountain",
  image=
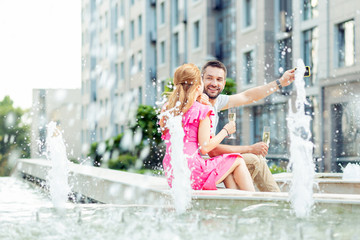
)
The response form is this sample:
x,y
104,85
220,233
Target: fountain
x,y
58,174
134,206
181,190
301,160
351,172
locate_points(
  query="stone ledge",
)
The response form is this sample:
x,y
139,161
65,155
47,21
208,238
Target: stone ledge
x,y
117,187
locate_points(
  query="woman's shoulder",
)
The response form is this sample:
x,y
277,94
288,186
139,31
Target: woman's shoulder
x,y
200,111
201,106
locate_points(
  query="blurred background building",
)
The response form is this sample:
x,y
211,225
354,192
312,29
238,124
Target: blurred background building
x,y
131,48
62,106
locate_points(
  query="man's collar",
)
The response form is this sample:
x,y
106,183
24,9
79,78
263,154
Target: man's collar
x,y
213,101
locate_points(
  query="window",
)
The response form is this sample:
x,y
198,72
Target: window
x,y
273,115
285,16
139,58
132,30
117,129
310,9
176,12
248,13
163,86
196,34
140,95
106,20
116,70
162,13
345,130
101,134
310,54
122,71
122,8
249,67
284,55
122,40
106,106
116,39
132,64
162,52
140,25
346,44
176,50
116,9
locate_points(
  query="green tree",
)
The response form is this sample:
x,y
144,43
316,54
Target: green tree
x,y
14,135
230,87
112,152
146,120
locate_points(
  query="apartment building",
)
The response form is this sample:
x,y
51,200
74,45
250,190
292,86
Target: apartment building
x,y
272,37
132,47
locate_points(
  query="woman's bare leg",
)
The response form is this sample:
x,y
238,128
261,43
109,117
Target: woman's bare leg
x,y
242,177
229,182
232,168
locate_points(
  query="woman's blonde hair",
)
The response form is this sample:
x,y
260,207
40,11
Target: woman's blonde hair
x,y
187,78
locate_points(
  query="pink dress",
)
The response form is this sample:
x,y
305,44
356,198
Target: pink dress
x,y
204,172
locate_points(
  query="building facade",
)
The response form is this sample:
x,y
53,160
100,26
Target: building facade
x,y
132,47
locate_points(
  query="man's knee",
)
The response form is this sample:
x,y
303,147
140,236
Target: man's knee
x,y
252,160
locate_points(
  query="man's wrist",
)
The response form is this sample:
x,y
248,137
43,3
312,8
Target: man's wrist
x,y
279,84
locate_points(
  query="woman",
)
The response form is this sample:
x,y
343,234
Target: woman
x,y
196,121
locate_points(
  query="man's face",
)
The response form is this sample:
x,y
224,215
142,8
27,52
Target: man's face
x,y
214,81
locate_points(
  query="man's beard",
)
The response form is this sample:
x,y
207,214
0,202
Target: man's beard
x,y
212,97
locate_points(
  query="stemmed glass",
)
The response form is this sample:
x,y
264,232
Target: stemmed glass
x,y
232,117
266,137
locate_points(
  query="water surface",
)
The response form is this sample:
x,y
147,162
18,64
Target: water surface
x,y
27,213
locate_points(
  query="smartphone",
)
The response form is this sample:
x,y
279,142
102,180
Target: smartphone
x,y
307,71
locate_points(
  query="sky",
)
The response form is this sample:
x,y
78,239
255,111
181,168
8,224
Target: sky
x,y
40,47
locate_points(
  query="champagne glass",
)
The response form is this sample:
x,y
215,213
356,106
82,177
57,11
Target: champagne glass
x,y
232,117
266,135
265,138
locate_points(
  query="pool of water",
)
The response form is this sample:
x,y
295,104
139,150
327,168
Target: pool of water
x,y
26,212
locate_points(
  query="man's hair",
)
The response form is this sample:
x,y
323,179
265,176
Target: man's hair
x,y
213,63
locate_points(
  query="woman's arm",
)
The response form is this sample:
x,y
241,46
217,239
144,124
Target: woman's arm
x,y
206,143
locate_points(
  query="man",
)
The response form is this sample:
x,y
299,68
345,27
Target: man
x,y
214,77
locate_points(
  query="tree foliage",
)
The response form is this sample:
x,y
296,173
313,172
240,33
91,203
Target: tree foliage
x,y
113,152
14,136
230,87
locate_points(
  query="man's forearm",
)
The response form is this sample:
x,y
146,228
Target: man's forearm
x,y
260,92
222,149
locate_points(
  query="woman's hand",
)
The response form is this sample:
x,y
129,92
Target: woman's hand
x,y
230,127
203,99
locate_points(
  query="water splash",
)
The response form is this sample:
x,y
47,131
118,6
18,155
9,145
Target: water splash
x,y
58,174
301,148
351,172
181,185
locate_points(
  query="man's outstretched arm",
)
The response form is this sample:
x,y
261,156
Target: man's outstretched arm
x,y
257,93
